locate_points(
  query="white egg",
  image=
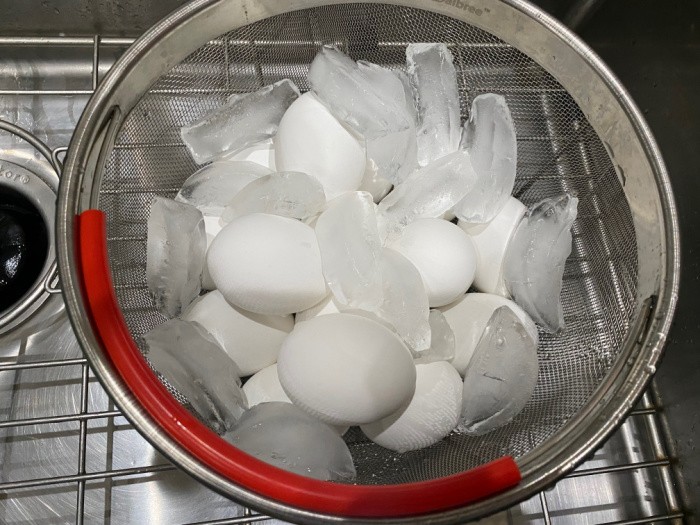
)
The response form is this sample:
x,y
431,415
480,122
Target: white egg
x,y
252,340
468,318
444,256
491,242
311,140
325,307
346,369
264,387
262,153
432,413
212,227
267,264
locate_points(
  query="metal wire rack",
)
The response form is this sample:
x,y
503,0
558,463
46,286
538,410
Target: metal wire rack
x,y
61,447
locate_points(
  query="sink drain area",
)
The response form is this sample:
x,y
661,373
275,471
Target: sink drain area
x,y
24,246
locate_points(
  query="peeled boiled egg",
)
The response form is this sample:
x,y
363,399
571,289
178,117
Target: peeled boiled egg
x,y
252,340
311,140
346,369
444,256
491,242
267,264
468,318
431,414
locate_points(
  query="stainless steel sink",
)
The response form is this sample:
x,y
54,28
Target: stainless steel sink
x,y
66,453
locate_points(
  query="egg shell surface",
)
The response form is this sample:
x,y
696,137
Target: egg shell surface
x,y
491,242
252,340
267,264
432,413
444,256
468,317
346,369
311,140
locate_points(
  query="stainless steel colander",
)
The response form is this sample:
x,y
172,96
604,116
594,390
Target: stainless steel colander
x,y
578,131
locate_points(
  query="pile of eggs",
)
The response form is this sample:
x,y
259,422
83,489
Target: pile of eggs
x,y
249,269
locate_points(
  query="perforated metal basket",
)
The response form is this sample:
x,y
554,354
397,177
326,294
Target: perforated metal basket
x,y
578,131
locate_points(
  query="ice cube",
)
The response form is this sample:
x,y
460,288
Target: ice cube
x,y
199,369
286,437
212,187
243,121
442,340
408,96
351,250
489,137
289,194
428,193
175,250
434,80
373,183
500,377
405,302
262,153
352,96
372,101
533,269
385,82
393,154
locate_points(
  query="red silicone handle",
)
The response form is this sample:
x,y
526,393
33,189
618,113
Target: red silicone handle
x,y
359,501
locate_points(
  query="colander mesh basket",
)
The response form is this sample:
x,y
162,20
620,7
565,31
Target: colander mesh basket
x,y
610,278
558,152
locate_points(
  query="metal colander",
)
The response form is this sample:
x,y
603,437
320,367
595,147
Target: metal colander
x,y
577,132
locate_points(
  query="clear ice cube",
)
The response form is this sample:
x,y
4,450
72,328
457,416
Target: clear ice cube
x,y
434,80
394,154
286,437
500,377
533,269
175,250
243,121
428,192
442,340
374,184
290,194
372,101
405,302
351,250
408,96
199,369
489,137
262,153
352,95
212,187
